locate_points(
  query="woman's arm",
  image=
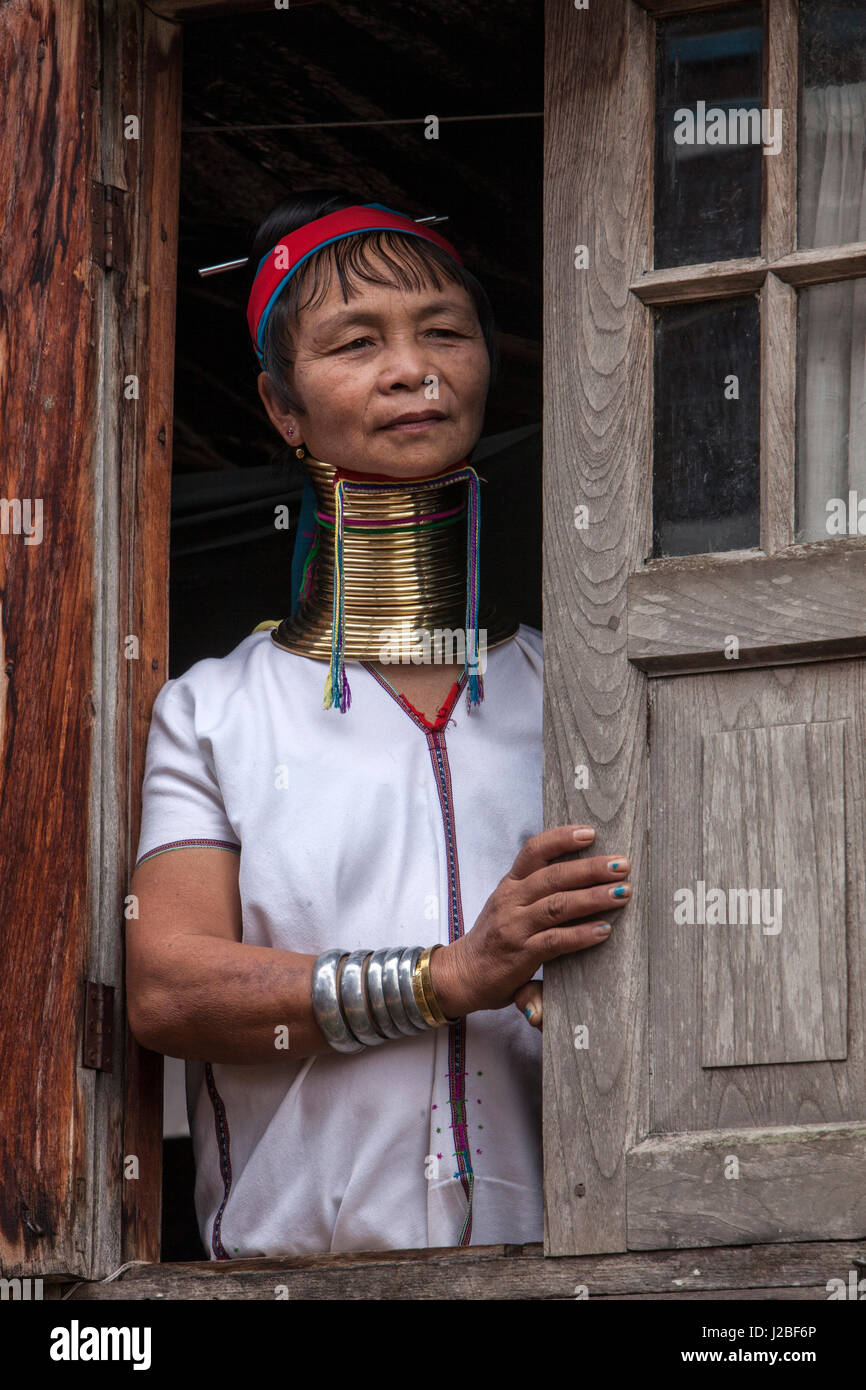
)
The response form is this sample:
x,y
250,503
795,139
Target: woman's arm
x,y
194,989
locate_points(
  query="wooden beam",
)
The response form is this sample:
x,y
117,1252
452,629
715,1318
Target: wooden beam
x,y
679,1193
778,413
687,284
822,265
662,9
597,453
217,9
783,1272
779,187
212,9
724,279
55,1201
807,606
150,84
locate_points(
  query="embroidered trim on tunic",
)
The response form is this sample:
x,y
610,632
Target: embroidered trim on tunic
x,y
435,734
186,844
224,1145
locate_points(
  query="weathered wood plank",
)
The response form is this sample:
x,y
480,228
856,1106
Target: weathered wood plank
x,y
686,710
597,453
53,723
661,9
727,279
152,87
215,9
683,1190
490,1272
775,977
778,413
687,284
823,265
779,220
802,606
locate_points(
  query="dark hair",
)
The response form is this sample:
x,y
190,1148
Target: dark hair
x,y
413,261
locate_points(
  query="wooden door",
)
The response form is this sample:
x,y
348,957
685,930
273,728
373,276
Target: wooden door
x,y
87,294
705,1075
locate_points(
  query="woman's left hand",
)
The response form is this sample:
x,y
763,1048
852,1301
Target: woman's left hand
x,y
529,999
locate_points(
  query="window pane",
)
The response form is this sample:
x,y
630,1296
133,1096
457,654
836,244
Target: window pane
x,y
831,410
832,159
708,193
706,474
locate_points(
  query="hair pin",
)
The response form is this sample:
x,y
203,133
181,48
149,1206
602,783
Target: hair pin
x,y
235,265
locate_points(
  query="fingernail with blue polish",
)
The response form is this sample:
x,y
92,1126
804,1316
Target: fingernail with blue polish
x,y
619,892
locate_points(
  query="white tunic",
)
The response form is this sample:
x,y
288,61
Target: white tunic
x,y
363,829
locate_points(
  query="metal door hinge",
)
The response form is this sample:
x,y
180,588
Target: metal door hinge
x,y
107,214
98,1025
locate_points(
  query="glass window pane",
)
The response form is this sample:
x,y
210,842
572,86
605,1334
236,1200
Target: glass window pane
x,y
831,410
832,161
708,89
706,473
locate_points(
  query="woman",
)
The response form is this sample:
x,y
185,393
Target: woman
x,y
359,886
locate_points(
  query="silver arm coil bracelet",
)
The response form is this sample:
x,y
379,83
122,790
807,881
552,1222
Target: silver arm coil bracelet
x,y
326,1004
354,1003
375,999
391,991
376,994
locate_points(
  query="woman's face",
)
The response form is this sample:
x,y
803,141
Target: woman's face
x,y
386,354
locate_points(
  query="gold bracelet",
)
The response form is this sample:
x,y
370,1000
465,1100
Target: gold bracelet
x,y
420,997
427,986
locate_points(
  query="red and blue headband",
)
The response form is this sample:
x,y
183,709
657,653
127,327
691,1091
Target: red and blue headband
x,y
280,263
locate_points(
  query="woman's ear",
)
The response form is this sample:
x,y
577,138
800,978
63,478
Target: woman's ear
x,y
284,421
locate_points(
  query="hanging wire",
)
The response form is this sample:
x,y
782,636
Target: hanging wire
x,y
347,125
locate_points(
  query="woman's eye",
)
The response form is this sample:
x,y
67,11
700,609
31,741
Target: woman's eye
x,y
361,342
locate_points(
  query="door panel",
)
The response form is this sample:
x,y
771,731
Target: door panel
x,y
742,1187
756,782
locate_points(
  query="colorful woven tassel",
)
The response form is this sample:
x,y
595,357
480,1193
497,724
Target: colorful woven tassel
x,y
337,693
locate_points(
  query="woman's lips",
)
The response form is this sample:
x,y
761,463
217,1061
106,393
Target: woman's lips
x,y
415,426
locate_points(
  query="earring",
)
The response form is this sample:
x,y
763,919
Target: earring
x,y
301,451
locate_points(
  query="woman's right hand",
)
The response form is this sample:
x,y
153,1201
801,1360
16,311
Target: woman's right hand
x,y
530,918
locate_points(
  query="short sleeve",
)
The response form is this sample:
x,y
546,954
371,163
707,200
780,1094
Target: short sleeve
x,y
181,803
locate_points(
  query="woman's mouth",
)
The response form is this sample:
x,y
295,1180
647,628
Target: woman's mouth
x,y
414,424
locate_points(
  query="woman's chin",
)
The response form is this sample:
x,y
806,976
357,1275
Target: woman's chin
x,y
414,458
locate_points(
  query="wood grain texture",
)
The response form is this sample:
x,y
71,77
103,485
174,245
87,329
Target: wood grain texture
x,y
690,283
791,608
807,1180
660,9
212,9
597,453
778,413
727,279
53,722
685,711
775,978
498,1272
151,84
822,266
779,212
